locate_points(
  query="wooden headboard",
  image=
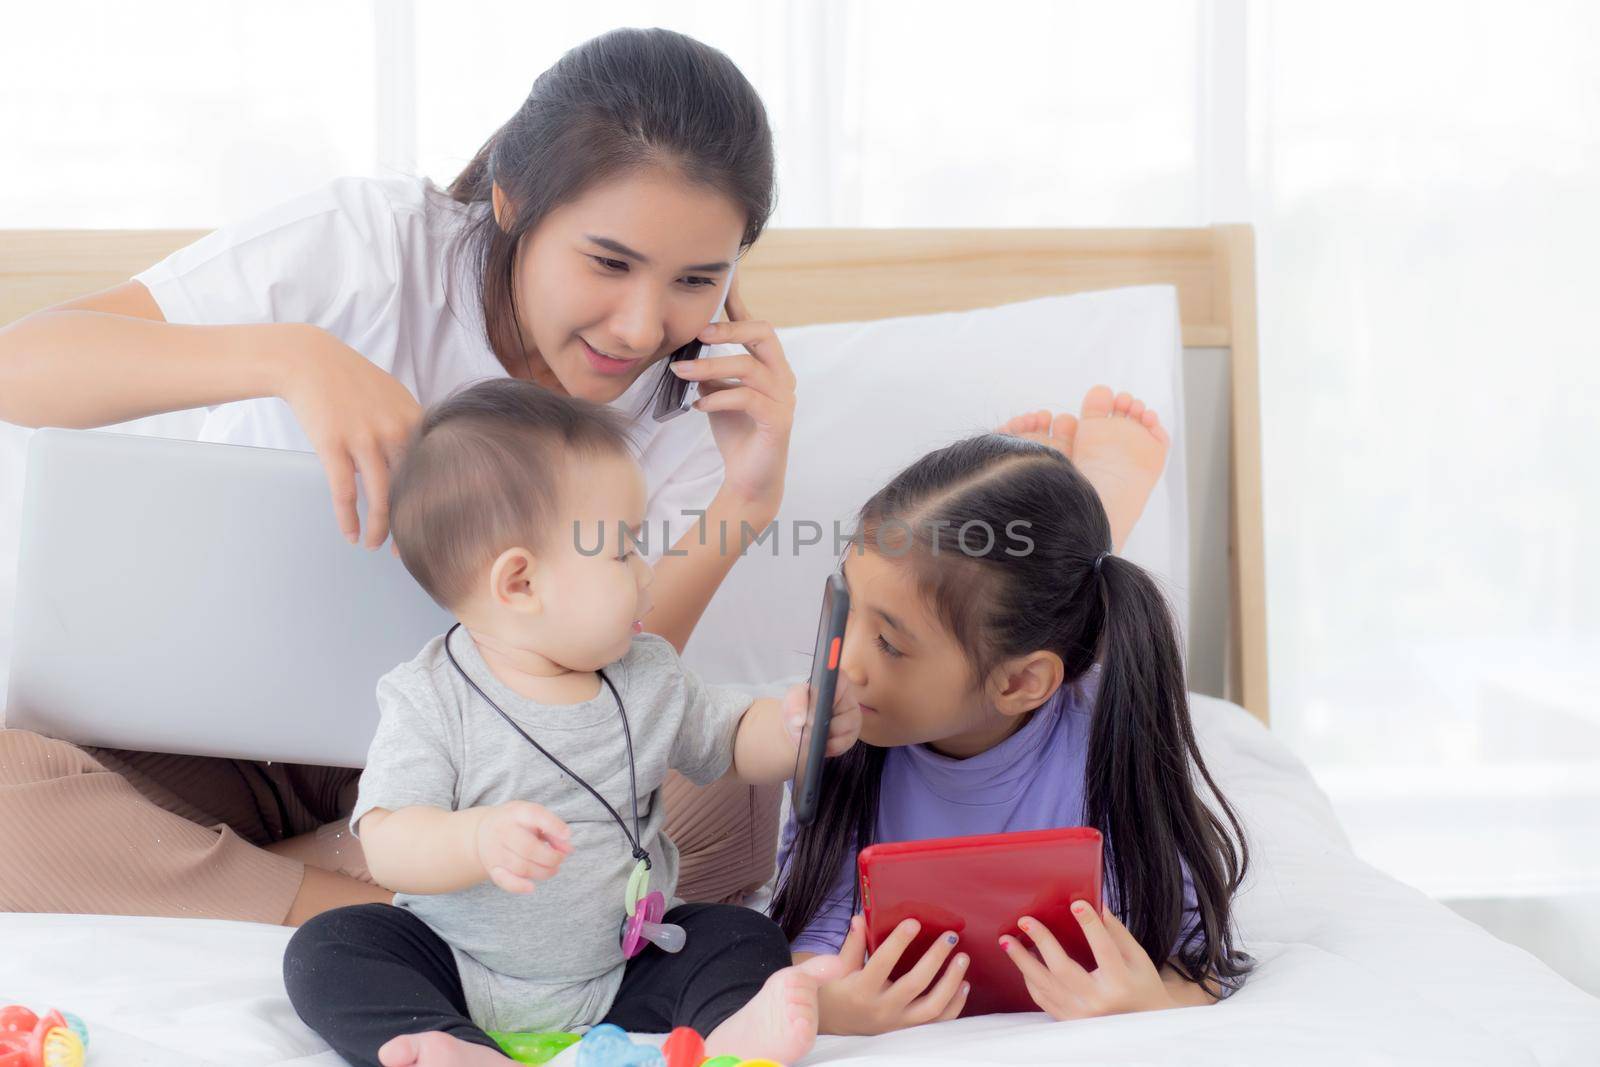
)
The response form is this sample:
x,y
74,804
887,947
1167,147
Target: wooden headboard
x,y
798,277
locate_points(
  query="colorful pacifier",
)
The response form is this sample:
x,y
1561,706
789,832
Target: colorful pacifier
x,y
646,925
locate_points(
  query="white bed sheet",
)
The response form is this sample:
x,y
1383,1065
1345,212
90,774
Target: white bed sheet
x,y
1354,968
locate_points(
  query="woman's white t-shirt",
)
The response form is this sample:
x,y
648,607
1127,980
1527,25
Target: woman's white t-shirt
x,y
372,262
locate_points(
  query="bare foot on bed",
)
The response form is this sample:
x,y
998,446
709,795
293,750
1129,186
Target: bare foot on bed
x,y
1058,432
781,1022
1118,444
437,1049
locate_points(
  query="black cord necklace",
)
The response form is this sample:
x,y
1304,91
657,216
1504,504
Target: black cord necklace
x,y
640,853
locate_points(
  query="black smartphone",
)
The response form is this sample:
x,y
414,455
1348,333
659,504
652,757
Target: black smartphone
x,y
819,712
673,398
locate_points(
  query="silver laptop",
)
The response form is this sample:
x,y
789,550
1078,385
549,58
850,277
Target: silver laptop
x,y
175,596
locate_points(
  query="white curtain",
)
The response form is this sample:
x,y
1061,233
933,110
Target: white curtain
x,y
1422,178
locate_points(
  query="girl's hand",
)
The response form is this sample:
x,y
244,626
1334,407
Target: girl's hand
x,y
750,399
843,729
1124,979
356,416
520,844
864,1001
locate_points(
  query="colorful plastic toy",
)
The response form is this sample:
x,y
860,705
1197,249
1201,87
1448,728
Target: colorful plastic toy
x,y
684,1048
646,926
610,1046
27,1040
534,1048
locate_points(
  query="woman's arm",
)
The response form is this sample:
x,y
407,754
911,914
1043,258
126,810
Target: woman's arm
x,y
111,356
684,584
749,400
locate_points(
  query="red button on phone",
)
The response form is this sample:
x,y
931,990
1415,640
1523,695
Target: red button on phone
x,y
833,655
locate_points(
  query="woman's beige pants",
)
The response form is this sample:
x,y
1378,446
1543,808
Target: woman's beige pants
x,y
142,833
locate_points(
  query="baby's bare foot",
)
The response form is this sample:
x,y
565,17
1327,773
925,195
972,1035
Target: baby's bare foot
x,y
1121,447
438,1049
780,1023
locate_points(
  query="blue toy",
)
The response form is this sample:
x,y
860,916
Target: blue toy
x,y
610,1046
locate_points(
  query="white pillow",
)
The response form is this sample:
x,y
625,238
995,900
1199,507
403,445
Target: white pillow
x,y
874,396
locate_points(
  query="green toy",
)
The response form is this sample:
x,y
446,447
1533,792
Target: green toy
x,y
534,1048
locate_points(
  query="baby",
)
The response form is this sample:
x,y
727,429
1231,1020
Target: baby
x,y
510,796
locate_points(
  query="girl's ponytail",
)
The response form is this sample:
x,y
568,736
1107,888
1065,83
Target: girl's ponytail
x,y
1139,793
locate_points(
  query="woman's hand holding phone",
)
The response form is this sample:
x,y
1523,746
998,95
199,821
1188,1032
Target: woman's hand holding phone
x,y
750,399
865,1001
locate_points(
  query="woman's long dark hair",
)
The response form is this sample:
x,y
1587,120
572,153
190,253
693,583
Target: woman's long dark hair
x,y
624,102
1029,584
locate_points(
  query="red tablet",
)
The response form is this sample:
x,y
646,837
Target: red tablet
x,y
979,887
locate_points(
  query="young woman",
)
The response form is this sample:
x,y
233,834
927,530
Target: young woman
x,y
592,236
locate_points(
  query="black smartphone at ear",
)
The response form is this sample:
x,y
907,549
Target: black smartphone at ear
x,y
673,399
819,712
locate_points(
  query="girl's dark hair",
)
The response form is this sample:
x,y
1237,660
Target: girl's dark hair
x,y
624,102
1002,536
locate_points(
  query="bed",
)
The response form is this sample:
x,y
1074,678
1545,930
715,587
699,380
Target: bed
x,y
1353,966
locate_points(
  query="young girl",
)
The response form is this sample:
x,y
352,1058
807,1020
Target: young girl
x,y
1013,674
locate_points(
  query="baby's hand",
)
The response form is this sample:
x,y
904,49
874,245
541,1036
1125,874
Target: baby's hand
x,y
520,844
843,729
